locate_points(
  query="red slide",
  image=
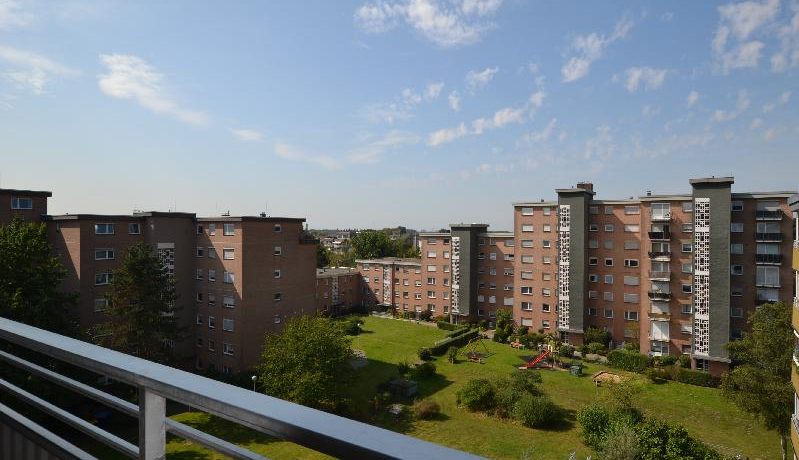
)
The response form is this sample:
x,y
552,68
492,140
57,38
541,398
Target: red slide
x,y
531,364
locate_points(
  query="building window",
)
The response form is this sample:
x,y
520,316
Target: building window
x,y
228,277
527,306
527,228
547,243
593,278
687,247
211,322
593,228
547,211
527,259
228,349
593,261
767,276
199,297
228,301
687,206
199,342
103,254
608,313
102,279
527,275
228,253
608,279
608,244
631,298
608,296
608,262
737,205
702,365
211,345
546,276
736,248
591,311
546,292
527,211
199,318
527,290
593,244
431,281
631,244
21,203
431,268
211,229
687,309
545,323
527,243
632,281
277,296
199,274
547,260
492,256
631,263
687,289
134,228
100,304
737,270
593,294
227,325
211,299
608,209
277,228
199,251
103,229
632,228
632,210
431,254
228,229
211,275
736,227
631,315
277,274
609,227
278,250
687,268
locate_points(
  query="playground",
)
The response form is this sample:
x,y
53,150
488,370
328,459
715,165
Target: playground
x,y
387,342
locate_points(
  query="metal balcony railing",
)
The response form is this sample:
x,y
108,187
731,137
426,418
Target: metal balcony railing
x,y
658,295
768,236
662,235
156,383
768,215
659,275
661,217
659,254
768,258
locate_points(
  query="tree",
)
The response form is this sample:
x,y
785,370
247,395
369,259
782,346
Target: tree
x,y
142,312
30,279
322,256
504,325
308,362
373,244
760,381
342,259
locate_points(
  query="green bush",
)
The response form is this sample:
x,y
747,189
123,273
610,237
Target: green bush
x,y
452,354
634,347
426,315
522,331
661,440
593,420
447,326
596,335
353,327
505,398
423,371
597,348
656,375
482,325
424,354
698,378
628,360
526,381
566,351
685,361
440,347
477,395
426,409
403,367
536,411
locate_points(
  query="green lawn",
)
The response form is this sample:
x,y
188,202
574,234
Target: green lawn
x,y
703,411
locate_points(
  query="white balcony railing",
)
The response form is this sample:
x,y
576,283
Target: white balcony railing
x,y
317,430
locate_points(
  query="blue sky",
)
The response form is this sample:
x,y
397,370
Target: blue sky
x,y
370,114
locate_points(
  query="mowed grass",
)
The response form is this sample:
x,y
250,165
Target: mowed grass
x,y
703,411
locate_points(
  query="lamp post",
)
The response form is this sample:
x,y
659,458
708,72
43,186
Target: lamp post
x,y
254,378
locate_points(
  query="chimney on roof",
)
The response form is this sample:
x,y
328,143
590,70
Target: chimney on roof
x,y
649,193
263,214
587,186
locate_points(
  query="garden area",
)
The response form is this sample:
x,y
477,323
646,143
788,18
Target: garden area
x,y
704,412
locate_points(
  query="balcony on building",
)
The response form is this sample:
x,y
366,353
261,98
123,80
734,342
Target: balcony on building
x,y
661,212
659,295
769,237
659,275
768,214
795,317
660,232
660,255
775,259
659,311
156,384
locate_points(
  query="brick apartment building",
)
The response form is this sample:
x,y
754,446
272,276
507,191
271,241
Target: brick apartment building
x,y
794,205
236,277
338,290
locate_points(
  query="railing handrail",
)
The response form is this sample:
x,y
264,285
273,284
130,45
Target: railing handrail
x,y
320,431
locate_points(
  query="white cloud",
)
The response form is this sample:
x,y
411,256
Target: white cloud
x,y
770,134
756,123
475,79
444,136
737,23
601,146
386,113
537,98
433,90
784,98
651,78
130,77
544,134
789,37
445,23
693,96
247,135
411,98
373,151
288,152
650,110
12,15
741,105
454,101
30,70
589,48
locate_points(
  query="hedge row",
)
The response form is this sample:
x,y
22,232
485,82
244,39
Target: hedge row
x,y
698,378
447,326
628,360
439,348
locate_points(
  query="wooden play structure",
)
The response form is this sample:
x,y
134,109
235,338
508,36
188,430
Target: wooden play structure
x,y
473,352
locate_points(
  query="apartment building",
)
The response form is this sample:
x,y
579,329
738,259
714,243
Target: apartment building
x,y
794,205
338,290
391,283
28,205
672,273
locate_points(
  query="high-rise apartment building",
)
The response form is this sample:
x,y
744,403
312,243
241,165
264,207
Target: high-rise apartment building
x,y
391,282
338,290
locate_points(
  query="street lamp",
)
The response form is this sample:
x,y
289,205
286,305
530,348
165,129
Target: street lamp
x,y
254,378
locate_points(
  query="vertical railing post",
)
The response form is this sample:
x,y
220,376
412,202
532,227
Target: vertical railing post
x,y
152,425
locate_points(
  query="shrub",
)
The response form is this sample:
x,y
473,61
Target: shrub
x,y
423,371
698,378
424,354
596,335
452,354
482,325
629,346
403,367
597,348
446,325
477,395
426,315
656,375
353,327
566,351
522,330
685,361
440,347
661,440
426,409
536,411
621,443
526,381
505,398
628,360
